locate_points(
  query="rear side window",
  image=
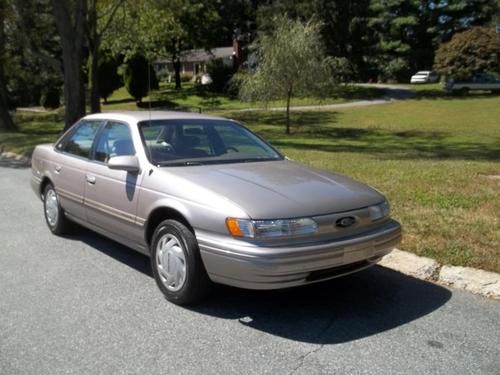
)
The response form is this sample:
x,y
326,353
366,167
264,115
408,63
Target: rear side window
x,y
79,141
114,140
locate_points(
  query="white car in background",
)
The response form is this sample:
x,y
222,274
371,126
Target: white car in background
x,y
424,76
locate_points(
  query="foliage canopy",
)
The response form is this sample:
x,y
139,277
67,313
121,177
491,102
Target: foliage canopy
x,y
472,51
291,61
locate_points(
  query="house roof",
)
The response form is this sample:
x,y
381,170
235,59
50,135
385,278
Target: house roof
x,y
202,55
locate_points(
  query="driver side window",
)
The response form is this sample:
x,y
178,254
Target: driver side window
x,y
114,140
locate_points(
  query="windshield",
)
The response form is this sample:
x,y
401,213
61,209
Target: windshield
x,y
202,141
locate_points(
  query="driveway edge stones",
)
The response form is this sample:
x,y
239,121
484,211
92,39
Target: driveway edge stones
x,y
476,281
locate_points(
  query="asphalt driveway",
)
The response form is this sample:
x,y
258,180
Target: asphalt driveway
x,y
86,305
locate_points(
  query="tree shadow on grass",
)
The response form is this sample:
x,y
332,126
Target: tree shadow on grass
x,y
441,94
399,145
317,131
161,105
119,101
331,312
276,119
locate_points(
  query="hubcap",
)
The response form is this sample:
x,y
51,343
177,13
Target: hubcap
x,y
51,207
171,262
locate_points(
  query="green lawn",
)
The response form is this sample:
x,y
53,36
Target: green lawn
x,y
437,160
193,98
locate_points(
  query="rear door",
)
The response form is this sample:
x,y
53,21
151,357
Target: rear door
x,y
70,163
111,195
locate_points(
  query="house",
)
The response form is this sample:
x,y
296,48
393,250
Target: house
x,y
194,62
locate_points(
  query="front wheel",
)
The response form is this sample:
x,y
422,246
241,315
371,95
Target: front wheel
x,y
54,213
177,265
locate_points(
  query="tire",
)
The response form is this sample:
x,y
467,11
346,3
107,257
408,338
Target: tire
x,y
53,212
174,248
464,91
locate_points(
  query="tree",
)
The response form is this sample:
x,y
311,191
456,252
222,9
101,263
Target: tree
x,y
291,62
99,18
139,77
5,119
71,21
472,51
343,25
164,28
109,79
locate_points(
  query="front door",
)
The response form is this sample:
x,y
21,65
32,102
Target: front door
x,y
111,195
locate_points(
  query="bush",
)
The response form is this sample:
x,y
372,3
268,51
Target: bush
x,y
186,77
51,98
221,75
136,77
109,79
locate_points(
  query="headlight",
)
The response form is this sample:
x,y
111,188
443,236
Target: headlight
x,y
270,228
379,211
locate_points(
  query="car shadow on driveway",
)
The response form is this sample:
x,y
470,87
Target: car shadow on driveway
x,y
336,311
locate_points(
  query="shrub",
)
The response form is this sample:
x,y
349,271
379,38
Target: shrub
x,y
186,77
221,75
51,98
109,79
136,77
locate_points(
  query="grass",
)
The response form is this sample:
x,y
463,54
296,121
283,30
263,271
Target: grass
x,y
433,157
34,129
434,160
193,98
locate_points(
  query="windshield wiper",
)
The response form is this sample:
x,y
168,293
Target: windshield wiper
x,y
179,163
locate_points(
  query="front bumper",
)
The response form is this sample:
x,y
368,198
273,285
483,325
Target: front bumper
x,y
249,266
35,185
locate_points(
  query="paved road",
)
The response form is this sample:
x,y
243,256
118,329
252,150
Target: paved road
x,y
86,305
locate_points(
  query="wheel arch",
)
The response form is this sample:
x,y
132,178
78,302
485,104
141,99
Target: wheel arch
x,y
43,184
160,214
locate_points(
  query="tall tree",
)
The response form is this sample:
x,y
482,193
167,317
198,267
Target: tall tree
x,y
71,21
33,52
291,62
6,122
100,16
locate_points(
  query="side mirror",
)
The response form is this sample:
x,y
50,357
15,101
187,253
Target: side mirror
x,y
128,163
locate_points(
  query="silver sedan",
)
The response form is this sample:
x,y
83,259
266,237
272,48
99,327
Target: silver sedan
x,y
209,202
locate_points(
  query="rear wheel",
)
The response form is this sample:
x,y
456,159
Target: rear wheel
x,y
54,213
177,265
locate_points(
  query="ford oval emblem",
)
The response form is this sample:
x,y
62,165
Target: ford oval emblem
x,y
345,222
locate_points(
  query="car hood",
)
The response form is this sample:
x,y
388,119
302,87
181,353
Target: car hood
x,y
280,189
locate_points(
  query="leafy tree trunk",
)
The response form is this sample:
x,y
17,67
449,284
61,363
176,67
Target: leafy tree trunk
x,y
6,122
288,99
71,24
176,62
94,42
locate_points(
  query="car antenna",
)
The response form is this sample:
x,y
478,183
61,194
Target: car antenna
x,y
149,91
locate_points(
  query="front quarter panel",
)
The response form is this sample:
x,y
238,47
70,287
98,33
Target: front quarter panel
x,y
203,209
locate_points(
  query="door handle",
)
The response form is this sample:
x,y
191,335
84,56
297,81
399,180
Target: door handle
x,y
57,168
90,179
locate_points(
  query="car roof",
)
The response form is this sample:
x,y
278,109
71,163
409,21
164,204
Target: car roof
x,y
134,117
423,72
